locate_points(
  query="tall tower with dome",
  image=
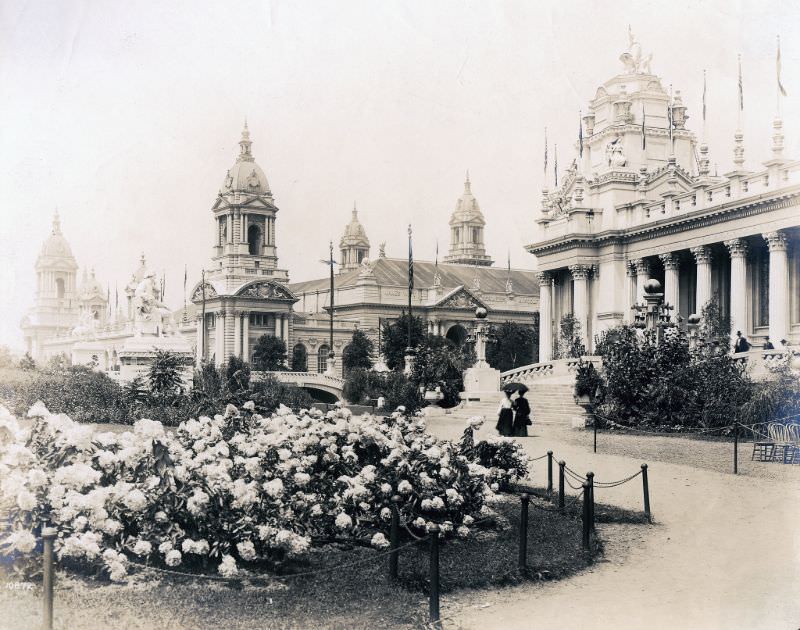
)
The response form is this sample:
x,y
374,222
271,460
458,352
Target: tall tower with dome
x,y
466,231
57,308
354,245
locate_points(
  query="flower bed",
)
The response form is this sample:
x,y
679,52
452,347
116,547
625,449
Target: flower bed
x,y
234,490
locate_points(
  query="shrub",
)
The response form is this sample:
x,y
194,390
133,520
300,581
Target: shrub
x,y
570,345
440,363
394,339
237,375
513,345
268,393
358,385
357,353
269,354
299,358
587,380
165,375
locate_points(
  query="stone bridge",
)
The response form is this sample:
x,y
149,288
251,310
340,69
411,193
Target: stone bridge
x,y
312,381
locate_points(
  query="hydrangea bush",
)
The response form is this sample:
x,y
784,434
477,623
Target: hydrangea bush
x,y
220,493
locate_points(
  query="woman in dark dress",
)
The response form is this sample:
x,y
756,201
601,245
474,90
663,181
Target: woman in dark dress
x,y
522,416
505,415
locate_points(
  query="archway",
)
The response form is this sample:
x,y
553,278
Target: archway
x,y
59,288
457,334
299,358
254,240
322,358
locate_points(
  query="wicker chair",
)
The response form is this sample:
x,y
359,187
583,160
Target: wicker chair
x,y
779,435
763,448
791,453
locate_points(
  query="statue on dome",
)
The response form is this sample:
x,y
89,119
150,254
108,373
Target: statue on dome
x,y
149,312
633,60
614,154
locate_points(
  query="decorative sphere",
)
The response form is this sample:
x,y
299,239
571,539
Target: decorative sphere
x,y
694,318
481,312
652,286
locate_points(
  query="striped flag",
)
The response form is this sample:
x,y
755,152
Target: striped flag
x,y
778,69
555,163
580,135
410,263
669,115
644,139
741,88
545,152
704,95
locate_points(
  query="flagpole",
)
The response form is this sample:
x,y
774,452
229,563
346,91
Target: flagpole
x,y
203,327
704,105
330,354
410,284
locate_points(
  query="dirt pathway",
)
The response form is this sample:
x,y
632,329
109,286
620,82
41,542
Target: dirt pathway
x,y
724,553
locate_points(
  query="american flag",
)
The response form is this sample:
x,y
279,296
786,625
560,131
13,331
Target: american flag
x,y
741,89
778,68
545,151
580,135
410,263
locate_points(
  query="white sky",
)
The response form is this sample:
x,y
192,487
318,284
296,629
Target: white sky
x,y
126,115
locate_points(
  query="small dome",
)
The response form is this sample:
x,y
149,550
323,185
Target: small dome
x,y
91,287
467,208
245,175
56,246
354,233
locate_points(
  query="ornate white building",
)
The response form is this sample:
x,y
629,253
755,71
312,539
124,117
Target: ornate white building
x,y
641,203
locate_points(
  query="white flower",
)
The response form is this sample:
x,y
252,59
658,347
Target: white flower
x,y
249,405
404,487
111,527
173,558
227,568
148,429
197,502
476,422
38,410
247,550
231,410
386,514
343,521
77,476
437,503
386,488
379,541
142,548
117,572
316,510
445,473
197,547
468,520
135,500
165,547
273,488
302,479
419,522
26,501
22,541
462,532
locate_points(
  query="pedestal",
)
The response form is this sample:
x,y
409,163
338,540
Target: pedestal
x,y
481,383
331,369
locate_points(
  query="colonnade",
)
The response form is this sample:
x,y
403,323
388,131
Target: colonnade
x,y
233,327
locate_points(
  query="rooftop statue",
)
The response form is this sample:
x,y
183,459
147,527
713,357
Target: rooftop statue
x,y
633,60
148,309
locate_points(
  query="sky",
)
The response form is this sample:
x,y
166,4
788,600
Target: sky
x,y
125,116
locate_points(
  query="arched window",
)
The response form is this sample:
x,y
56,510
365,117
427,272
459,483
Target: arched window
x,y
457,334
299,358
254,240
59,288
322,358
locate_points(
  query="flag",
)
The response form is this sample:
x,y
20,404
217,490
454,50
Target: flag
x,y
669,115
410,264
644,140
580,135
741,88
545,152
555,163
509,261
185,277
778,69
704,96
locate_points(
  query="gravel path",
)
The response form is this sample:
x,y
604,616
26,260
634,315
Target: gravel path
x,y
724,551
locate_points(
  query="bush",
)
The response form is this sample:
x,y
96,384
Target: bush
x,y
587,380
513,345
237,375
269,354
165,376
570,345
358,385
440,363
268,394
394,339
299,358
357,353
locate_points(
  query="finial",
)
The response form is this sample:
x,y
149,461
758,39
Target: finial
x,y
355,212
141,259
56,223
245,144
738,149
777,138
467,183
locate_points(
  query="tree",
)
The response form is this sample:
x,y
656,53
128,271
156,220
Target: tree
x,y
299,358
237,375
570,345
440,363
715,328
513,345
357,353
165,375
207,379
27,362
394,339
269,354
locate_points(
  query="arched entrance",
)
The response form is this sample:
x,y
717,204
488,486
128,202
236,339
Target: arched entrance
x,y
457,334
322,358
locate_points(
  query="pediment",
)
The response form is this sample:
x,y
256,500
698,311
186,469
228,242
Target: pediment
x,y
210,292
266,289
460,297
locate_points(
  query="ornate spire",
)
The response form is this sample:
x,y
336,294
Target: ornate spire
x,y
777,138
245,145
56,223
467,185
738,149
704,167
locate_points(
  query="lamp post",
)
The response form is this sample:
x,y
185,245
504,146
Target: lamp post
x,y
331,366
654,313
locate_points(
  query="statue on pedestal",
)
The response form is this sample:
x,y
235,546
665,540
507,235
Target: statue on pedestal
x,y
633,60
149,313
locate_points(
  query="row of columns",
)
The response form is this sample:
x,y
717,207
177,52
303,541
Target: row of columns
x,y
243,219
241,334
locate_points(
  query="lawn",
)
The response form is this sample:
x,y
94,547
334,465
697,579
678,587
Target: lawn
x,y
351,597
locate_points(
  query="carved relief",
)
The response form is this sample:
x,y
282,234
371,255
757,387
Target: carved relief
x,y
461,299
266,290
210,292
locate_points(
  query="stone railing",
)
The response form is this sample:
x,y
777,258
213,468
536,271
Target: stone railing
x,y
302,379
557,367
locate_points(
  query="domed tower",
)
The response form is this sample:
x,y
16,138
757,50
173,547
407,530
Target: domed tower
x,y
93,298
354,244
466,231
56,306
244,223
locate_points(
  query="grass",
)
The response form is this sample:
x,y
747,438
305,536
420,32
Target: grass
x,y
355,597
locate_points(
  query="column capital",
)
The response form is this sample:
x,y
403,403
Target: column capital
x,y
776,241
737,247
702,254
642,266
544,277
670,260
579,272
630,268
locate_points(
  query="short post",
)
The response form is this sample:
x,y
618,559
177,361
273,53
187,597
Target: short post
x,y
523,532
434,575
735,448
585,516
561,465
646,490
394,538
48,536
549,473
590,481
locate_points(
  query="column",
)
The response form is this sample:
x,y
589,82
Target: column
x,y
642,276
778,286
278,325
630,291
702,256
285,328
246,337
545,316
219,341
672,265
580,305
229,228
199,342
237,334
738,251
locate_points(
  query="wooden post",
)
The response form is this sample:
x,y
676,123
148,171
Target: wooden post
x,y
585,517
549,473
735,448
523,532
48,536
394,538
561,465
594,424
646,490
434,576
590,481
